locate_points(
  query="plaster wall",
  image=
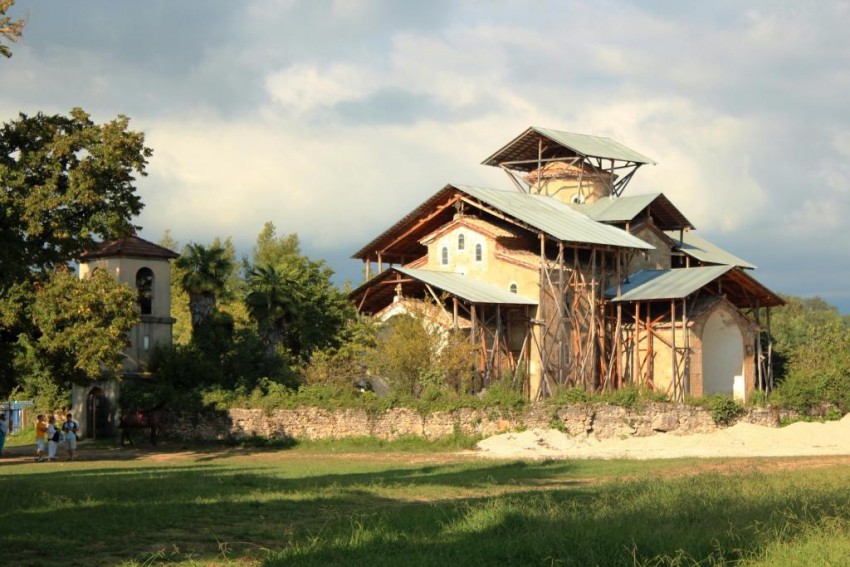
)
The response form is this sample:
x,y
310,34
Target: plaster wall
x,y
491,268
152,329
125,269
657,259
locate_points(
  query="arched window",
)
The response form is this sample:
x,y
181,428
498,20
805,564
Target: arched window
x,y
513,288
478,252
144,289
445,256
460,241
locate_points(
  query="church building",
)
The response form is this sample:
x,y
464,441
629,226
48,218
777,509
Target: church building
x,y
568,283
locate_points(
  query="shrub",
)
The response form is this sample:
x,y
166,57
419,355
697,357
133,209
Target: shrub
x,y
724,410
502,394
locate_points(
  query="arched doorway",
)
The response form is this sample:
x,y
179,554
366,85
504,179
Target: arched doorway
x,y
722,354
98,414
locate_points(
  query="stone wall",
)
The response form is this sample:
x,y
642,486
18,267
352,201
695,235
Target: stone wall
x,y
599,421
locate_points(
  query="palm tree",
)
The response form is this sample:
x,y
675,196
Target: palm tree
x,y
273,301
205,273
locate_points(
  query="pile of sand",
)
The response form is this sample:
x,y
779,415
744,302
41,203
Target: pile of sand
x,y
741,440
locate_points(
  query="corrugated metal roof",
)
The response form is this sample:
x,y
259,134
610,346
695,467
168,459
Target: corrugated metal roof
x,y
525,147
617,209
624,209
705,251
653,285
594,146
466,288
554,218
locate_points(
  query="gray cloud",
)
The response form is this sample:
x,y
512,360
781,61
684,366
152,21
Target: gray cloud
x,y
334,118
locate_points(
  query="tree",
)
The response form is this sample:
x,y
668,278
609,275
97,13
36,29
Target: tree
x,y
206,271
274,299
794,326
296,294
65,184
84,322
77,331
10,30
819,372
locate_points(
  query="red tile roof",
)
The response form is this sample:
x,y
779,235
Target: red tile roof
x,y
132,246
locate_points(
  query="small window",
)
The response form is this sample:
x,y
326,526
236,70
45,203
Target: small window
x,y
144,289
445,258
478,253
513,288
460,241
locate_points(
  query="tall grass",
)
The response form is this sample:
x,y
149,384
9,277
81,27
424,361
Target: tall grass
x,y
310,506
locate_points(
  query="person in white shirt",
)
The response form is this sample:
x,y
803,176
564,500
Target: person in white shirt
x,y
54,436
71,430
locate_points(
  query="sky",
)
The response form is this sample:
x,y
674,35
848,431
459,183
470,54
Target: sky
x,y
334,119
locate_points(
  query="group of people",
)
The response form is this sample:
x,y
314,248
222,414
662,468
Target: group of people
x,y
50,435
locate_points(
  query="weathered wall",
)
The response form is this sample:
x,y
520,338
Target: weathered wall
x,y
599,421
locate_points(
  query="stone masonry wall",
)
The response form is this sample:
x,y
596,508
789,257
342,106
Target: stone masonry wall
x,y
599,421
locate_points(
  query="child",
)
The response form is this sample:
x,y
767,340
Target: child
x,y
40,438
54,436
70,428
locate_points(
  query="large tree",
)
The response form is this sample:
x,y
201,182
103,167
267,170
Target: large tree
x,y
66,184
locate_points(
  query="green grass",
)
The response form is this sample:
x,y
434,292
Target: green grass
x,y
367,505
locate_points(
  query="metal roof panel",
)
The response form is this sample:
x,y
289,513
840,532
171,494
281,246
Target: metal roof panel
x,y
594,146
653,285
554,218
705,251
466,288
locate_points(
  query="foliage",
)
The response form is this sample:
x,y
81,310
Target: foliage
x,y
274,299
291,298
628,397
346,365
502,394
818,373
793,327
204,274
405,350
724,410
37,381
83,323
10,30
67,183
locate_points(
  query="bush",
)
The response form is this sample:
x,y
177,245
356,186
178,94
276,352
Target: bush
x,y
724,410
819,374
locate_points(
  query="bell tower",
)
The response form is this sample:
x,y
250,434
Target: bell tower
x,y
144,267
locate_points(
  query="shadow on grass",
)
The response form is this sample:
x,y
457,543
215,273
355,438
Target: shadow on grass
x,y
454,514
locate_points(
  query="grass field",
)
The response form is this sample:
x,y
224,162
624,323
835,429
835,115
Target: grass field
x,y
361,504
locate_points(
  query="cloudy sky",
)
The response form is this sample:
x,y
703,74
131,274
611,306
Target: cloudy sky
x,y
333,119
